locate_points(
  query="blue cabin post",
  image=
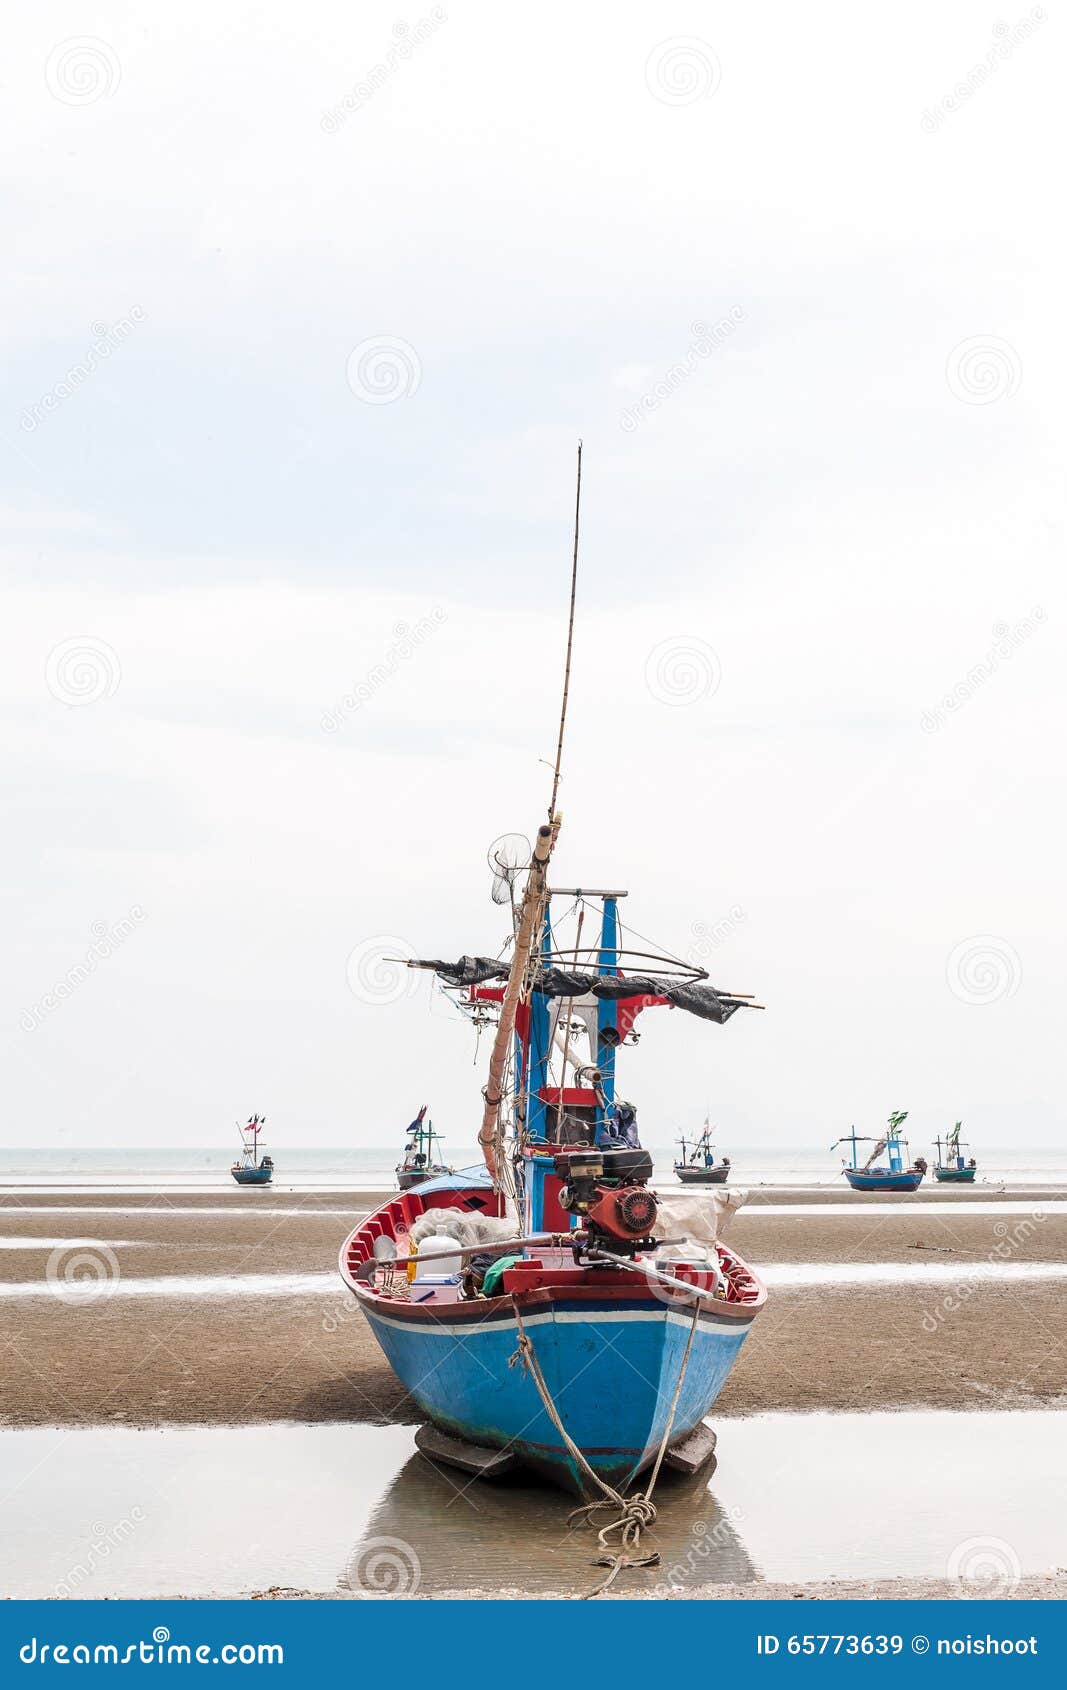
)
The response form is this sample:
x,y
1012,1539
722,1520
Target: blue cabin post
x,y
896,1163
530,1083
536,1074
607,1010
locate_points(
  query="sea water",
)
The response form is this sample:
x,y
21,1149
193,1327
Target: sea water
x,y
341,1510
132,1169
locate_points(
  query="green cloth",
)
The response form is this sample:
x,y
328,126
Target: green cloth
x,y
494,1273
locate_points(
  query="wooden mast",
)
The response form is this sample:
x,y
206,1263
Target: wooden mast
x,y
534,898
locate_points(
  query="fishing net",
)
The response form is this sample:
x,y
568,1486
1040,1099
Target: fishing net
x,y
509,857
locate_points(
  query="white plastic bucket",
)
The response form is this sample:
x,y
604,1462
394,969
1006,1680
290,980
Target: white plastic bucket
x,y
437,1257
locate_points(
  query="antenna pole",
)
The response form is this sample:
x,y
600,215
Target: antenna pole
x,y
570,641
531,911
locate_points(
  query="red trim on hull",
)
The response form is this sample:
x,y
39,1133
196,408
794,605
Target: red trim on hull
x,y
549,1280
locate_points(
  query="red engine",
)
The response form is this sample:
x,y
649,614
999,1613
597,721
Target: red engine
x,y
608,1190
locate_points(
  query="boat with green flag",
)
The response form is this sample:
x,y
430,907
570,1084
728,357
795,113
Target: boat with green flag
x,y
951,1168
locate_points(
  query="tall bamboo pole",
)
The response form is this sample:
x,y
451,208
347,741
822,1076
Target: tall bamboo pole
x,y
533,903
533,900
570,640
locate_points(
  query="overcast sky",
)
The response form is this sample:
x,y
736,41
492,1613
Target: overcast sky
x,y
306,308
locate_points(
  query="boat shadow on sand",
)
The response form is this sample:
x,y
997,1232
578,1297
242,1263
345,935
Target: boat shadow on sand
x,y
436,1531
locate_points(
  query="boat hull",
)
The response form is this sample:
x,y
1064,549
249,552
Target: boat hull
x,y
908,1179
955,1176
611,1366
252,1176
408,1178
701,1176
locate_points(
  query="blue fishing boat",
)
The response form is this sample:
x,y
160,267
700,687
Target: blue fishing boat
x,y
897,1174
251,1167
553,1311
697,1164
420,1160
951,1168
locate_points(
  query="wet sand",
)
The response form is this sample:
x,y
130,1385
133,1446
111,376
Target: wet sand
x,y
1052,1588
240,1358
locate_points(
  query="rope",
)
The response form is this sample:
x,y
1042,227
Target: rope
x,y
635,1513
570,642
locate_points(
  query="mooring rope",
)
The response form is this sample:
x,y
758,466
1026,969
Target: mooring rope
x,y
634,1514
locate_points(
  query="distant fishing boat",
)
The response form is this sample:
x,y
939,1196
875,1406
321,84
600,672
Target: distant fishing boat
x,y
950,1167
898,1175
252,1168
553,1311
697,1164
418,1161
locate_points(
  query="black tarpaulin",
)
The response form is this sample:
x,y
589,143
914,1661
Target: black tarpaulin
x,y
694,996
469,970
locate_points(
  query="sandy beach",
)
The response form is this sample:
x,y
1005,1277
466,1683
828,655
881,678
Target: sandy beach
x,y
241,1356
178,1330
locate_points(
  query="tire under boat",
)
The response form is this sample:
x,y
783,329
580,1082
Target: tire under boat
x,y
610,1346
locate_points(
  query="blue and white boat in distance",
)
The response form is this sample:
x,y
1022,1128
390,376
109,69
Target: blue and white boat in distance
x,y
898,1174
251,1167
951,1168
531,1309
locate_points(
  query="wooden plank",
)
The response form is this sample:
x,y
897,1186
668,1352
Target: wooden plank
x,y
693,1452
469,1458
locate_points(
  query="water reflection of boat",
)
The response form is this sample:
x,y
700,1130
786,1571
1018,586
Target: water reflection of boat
x,y
950,1167
252,1168
898,1175
431,1532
